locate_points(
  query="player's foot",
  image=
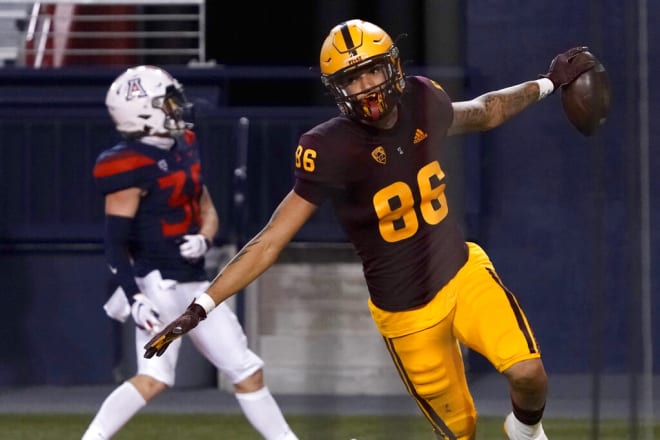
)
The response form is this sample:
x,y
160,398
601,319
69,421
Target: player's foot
x,y
516,430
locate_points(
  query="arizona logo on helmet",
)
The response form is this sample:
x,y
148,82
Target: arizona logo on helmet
x,y
135,89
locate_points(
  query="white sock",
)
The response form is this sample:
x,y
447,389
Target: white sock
x,y
264,415
517,430
116,410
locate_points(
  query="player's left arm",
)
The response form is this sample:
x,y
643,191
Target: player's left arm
x,y
492,109
120,209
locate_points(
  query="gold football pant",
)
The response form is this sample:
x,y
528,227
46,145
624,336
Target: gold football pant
x,y
474,308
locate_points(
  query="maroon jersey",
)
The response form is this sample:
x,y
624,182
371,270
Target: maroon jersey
x,y
388,190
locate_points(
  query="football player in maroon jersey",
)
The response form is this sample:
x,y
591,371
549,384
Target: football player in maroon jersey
x,y
160,221
378,164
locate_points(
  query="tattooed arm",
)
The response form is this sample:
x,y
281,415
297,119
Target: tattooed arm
x,y
493,108
258,255
262,250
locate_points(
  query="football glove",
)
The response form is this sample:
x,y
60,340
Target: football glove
x,y
193,246
188,320
145,314
564,68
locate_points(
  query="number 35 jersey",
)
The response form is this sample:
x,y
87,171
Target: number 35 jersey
x,y
388,191
171,184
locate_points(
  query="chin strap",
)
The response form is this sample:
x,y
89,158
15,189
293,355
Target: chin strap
x,y
162,142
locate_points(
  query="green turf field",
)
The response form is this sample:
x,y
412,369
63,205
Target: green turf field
x,y
234,427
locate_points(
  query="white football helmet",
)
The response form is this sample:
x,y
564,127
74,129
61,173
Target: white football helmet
x,y
146,100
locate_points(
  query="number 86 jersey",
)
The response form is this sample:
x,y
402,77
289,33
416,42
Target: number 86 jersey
x,y
387,187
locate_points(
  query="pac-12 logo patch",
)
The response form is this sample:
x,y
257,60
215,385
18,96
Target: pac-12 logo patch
x,y
135,89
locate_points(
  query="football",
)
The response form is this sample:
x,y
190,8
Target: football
x,y
586,100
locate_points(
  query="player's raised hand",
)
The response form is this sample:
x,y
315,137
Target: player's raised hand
x,y
565,67
177,328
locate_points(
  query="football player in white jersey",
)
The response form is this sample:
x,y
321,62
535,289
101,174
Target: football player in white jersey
x,y
160,221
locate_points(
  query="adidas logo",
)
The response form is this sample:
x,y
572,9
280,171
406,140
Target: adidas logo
x,y
419,136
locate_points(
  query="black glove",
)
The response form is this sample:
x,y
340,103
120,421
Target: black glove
x,y
567,66
177,328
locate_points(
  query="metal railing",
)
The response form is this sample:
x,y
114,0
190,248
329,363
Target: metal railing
x,y
111,32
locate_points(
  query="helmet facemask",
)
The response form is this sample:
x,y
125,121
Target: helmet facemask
x,y
176,107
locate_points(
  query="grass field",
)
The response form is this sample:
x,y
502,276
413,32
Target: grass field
x,y
234,427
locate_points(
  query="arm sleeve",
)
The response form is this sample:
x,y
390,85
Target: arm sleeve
x,y
117,232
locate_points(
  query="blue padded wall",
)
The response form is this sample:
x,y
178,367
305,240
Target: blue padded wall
x,y
560,212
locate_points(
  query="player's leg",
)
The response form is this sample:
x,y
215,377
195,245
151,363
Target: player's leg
x,y
117,409
517,430
261,409
490,321
430,364
220,338
153,377
528,387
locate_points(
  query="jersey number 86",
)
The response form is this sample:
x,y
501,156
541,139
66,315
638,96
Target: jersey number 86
x,y
394,204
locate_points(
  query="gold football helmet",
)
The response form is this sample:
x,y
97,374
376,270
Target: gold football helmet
x,y
354,46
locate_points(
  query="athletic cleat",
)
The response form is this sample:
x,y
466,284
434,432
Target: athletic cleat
x,y
516,430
